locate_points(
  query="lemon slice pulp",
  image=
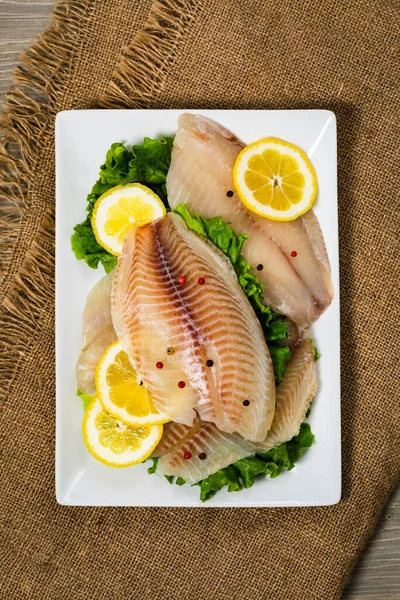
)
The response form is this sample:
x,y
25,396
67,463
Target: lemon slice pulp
x,y
275,179
120,209
121,392
114,443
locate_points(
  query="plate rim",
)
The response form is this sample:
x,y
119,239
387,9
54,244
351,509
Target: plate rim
x,y
64,116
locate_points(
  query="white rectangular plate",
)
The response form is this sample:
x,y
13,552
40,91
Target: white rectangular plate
x,y
82,139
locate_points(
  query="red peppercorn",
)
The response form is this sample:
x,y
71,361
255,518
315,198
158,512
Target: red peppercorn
x,y
159,365
187,455
181,384
182,280
201,281
294,253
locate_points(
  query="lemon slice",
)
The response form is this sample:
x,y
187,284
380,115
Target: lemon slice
x,y
121,392
112,442
120,209
275,179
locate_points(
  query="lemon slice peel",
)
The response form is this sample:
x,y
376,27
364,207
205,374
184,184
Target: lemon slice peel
x,y
121,208
113,443
121,392
275,179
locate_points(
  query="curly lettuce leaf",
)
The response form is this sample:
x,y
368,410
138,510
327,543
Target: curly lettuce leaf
x,y
279,356
300,443
308,413
148,164
276,330
243,473
224,477
85,246
86,399
230,243
272,463
153,467
317,355
252,466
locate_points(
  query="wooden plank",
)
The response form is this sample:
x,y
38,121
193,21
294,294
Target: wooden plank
x,y
377,575
20,22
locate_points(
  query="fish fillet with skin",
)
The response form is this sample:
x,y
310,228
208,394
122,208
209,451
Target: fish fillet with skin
x,y
152,312
97,333
200,175
293,397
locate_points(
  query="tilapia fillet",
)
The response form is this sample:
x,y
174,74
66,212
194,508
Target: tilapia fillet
x,y
199,348
211,449
97,333
200,176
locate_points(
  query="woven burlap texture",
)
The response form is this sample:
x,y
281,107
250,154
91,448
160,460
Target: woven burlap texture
x,y
342,56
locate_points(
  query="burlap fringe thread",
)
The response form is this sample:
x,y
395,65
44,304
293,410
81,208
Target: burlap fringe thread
x,y
40,80
144,66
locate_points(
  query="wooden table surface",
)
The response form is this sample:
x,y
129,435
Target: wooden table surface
x,y
377,574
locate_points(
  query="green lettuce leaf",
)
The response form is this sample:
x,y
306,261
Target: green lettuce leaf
x,y
148,164
86,399
300,443
153,467
276,330
85,246
224,477
286,455
279,356
244,472
317,355
252,466
231,243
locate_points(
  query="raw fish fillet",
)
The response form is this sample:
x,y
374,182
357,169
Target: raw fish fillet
x,y
220,449
200,176
175,435
296,334
97,333
152,312
293,397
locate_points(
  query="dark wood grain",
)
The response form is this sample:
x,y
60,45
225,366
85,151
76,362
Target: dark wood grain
x,y
20,22
377,575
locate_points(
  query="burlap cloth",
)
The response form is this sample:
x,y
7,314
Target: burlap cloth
x,y
341,55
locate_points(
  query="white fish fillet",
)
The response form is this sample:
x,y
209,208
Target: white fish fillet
x,y
293,395
152,312
97,333
200,176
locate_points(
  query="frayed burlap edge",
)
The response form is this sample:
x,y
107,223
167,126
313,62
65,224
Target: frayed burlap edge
x,y
27,278
28,306
145,64
40,80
